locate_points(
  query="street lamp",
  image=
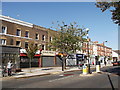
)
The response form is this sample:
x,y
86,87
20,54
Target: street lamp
x,y
87,30
40,59
104,46
104,52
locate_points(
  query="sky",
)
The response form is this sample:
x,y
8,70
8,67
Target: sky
x,y
85,14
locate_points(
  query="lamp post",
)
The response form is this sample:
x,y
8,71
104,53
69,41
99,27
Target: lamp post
x,y
40,59
104,46
104,52
62,62
87,30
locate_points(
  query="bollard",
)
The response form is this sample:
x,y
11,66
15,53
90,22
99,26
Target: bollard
x,y
85,69
98,67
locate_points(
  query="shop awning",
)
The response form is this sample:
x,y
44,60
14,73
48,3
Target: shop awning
x,y
24,54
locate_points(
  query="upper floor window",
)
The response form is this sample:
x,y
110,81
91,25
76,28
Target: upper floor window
x,y
43,47
4,29
26,34
18,33
36,45
11,41
26,44
3,41
50,39
43,37
36,36
17,43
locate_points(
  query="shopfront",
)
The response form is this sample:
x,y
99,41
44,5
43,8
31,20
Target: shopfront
x,y
48,59
10,53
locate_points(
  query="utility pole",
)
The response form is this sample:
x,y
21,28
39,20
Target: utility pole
x,y
62,62
88,51
104,52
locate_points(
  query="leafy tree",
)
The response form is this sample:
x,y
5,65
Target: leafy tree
x,y
31,50
115,9
69,38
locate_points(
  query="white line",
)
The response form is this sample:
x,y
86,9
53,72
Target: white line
x,y
60,79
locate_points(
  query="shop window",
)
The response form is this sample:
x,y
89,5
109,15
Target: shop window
x,y
17,43
4,29
26,34
18,33
3,41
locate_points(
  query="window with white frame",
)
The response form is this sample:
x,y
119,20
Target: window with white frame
x,y
43,47
3,41
18,32
43,37
37,36
50,39
4,29
26,34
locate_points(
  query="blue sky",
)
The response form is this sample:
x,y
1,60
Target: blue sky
x,y
85,14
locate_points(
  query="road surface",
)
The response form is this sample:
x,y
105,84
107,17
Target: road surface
x,y
107,79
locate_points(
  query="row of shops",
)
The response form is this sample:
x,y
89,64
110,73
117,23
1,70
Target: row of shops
x,y
45,59
20,60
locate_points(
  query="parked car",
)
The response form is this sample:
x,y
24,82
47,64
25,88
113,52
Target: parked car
x,y
116,63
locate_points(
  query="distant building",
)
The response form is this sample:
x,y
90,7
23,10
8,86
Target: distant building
x,y
95,49
116,55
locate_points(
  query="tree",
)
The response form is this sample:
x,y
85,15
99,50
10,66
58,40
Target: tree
x,y
69,38
31,50
115,9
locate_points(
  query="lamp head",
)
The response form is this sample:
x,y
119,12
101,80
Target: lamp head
x,y
87,29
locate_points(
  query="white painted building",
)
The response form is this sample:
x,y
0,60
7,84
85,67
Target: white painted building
x,y
115,55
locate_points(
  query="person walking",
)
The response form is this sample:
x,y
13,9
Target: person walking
x,y
9,68
105,62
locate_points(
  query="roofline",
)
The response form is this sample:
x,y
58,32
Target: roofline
x,y
13,20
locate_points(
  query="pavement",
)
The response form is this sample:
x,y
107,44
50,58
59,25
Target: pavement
x,y
42,71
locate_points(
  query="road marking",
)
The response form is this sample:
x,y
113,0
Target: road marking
x,y
60,78
61,75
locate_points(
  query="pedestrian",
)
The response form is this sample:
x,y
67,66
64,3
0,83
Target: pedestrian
x,y
9,68
4,70
105,63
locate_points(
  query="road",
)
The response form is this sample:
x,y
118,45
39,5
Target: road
x,y
69,80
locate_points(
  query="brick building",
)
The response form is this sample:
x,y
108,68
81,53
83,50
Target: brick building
x,y
18,33
95,49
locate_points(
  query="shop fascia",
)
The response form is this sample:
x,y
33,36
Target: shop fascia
x,y
43,52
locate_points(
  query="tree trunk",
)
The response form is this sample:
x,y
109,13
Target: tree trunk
x,y
30,64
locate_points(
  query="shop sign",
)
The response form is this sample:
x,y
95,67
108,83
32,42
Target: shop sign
x,y
48,53
22,51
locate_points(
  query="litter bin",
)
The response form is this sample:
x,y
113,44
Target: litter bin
x,y
85,69
98,66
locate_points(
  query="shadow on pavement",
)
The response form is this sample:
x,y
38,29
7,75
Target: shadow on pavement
x,y
47,68
114,70
15,74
